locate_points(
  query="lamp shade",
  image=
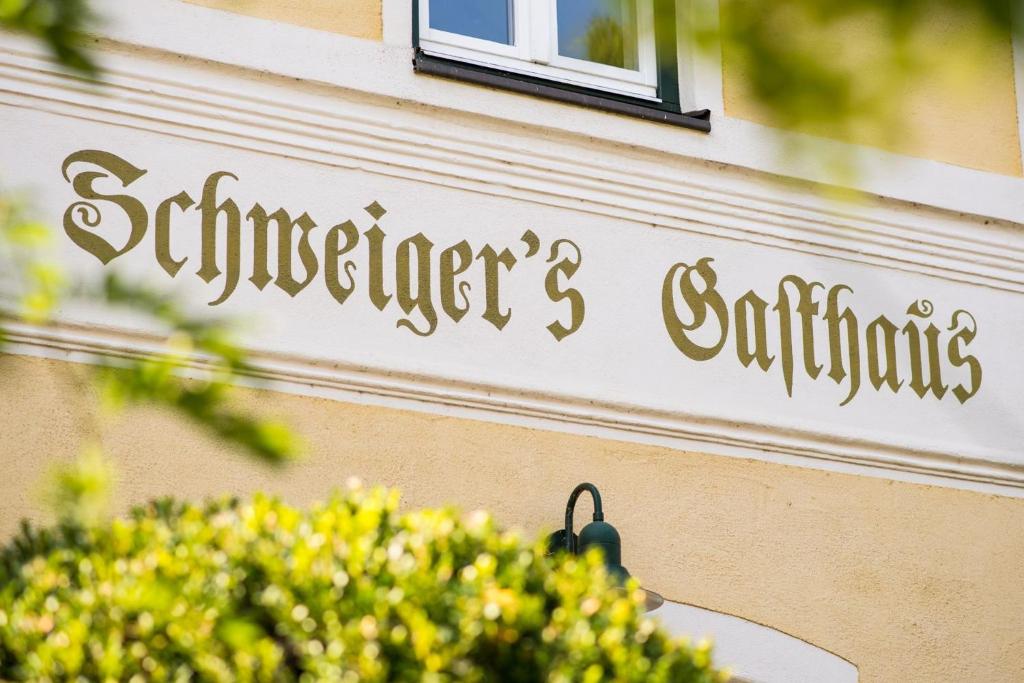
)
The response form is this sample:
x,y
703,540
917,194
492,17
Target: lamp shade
x,y
604,536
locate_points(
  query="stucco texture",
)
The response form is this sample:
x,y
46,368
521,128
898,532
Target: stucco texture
x,y
961,108
358,18
909,582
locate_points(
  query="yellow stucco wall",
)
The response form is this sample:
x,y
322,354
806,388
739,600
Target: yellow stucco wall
x,y
961,108
909,582
359,18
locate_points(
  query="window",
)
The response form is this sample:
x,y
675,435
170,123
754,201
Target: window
x,y
612,54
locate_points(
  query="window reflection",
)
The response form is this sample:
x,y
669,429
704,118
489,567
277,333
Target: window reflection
x,y
602,31
484,19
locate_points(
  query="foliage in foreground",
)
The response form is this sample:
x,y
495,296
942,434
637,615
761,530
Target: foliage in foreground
x,y
33,285
347,590
59,24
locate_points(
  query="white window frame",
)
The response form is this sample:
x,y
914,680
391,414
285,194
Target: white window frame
x,y
534,51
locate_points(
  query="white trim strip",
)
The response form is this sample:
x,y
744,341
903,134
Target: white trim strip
x,y
559,412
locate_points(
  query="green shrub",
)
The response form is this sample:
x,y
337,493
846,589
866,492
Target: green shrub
x,y
349,590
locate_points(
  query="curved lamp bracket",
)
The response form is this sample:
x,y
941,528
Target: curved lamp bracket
x,y
597,534
565,539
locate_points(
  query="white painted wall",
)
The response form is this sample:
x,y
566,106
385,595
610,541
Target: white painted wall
x,y
753,652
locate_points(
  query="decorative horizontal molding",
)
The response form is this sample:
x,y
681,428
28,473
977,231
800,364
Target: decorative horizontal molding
x,y
698,198
557,411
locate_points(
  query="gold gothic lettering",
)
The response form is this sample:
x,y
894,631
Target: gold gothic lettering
x,y
400,276
402,273
690,298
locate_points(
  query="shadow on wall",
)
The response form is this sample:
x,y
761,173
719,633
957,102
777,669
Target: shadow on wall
x,y
756,653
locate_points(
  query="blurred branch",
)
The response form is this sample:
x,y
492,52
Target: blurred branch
x,y
58,24
33,282
32,286
831,88
80,492
203,401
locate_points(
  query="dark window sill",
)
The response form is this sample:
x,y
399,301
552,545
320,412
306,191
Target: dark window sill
x,y
595,99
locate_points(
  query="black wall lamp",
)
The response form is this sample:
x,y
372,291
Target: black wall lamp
x,y
599,534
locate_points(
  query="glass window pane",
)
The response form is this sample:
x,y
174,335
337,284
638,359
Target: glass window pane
x,y
602,31
484,19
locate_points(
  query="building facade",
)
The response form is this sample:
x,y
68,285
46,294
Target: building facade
x,y
481,266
